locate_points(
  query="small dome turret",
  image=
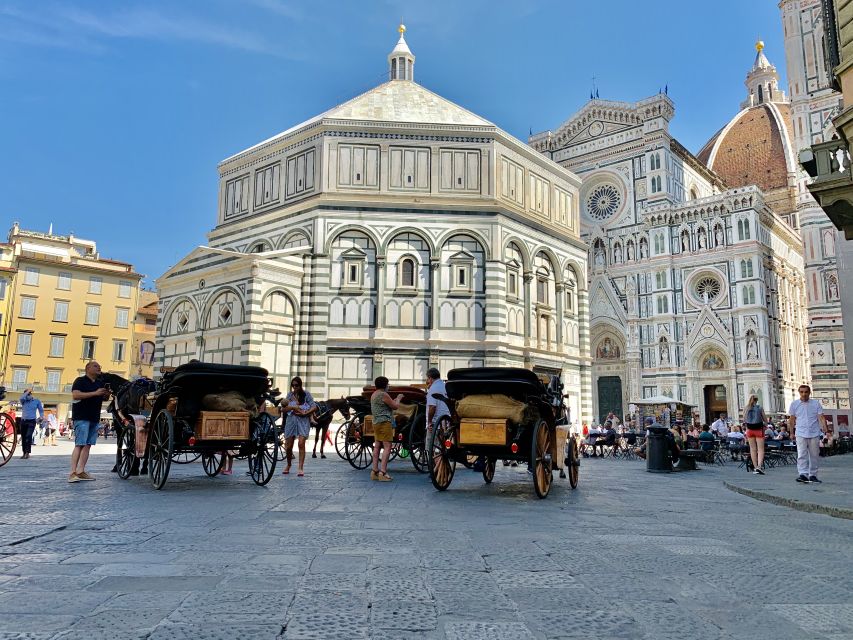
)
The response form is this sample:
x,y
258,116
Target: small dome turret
x,y
401,61
762,81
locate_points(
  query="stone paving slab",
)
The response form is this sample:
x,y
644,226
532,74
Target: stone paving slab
x,y
626,555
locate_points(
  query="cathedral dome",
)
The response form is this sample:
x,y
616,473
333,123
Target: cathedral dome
x,y
756,146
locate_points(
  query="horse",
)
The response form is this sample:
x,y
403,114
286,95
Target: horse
x,y
128,398
323,418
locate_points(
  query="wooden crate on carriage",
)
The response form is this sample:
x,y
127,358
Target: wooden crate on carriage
x,y
222,425
488,431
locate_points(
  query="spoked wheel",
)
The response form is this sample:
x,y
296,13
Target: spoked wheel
x,y
160,448
441,464
357,447
396,450
470,461
212,463
417,447
573,462
127,451
540,459
489,470
185,457
341,439
264,449
8,438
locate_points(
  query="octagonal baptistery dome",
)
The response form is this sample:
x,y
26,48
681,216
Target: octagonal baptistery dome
x,y
394,232
756,146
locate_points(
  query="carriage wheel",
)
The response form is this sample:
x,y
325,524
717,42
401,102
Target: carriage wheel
x,y
396,450
212,463
160,448
470,461
573,462
489,470
8,438
185,457
417,447
540,459
341,439
126,451
358,447
442,465
263,449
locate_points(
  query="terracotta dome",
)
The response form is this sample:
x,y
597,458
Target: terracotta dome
x,y
754,148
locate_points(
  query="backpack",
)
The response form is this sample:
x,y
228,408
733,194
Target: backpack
x,y
753,416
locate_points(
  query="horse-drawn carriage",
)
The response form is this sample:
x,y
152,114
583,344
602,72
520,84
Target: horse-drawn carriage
x,y
201,409
409,433
8,434
502,413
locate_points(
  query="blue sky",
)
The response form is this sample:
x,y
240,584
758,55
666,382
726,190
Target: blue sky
x,y
114,114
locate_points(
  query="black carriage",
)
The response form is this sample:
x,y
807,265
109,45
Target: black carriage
x,y
195,412
502,413
409,433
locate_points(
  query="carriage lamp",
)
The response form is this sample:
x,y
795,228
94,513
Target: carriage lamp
x,y
448,443
400,437
191,441
513,447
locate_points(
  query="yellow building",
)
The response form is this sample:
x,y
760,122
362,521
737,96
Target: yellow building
x,y
144,335
68,306
7,279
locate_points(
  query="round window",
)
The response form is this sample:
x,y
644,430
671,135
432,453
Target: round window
x,y
708,288
603,202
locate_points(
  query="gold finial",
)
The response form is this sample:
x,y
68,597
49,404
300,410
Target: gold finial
x,y
759,45
401,28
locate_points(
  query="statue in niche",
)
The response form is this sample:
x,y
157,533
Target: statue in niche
x,y
617,254
630,251
833,288
664,354
685,242
703,238
751,348
644,248
718,236
599,255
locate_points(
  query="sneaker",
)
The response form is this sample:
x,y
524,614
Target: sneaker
x,y
759,471
85,476
804,479
814,479
73,478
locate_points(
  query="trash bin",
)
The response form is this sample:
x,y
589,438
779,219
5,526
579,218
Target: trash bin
x,y
657,450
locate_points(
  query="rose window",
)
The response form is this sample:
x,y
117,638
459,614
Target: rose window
x,y
603,202
708,288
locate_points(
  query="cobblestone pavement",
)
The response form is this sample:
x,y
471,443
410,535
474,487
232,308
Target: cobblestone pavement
x,y
334,555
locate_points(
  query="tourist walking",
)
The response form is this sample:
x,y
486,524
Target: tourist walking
x,y
32,411
298,408
754,419
381,407
807,422
51,429
87,393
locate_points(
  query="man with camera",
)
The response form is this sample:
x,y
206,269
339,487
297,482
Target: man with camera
x,y
32,413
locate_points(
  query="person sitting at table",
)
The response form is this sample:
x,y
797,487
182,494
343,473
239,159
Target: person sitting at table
x,y
782,434
607,439
769,432
707,441
590,441
735,441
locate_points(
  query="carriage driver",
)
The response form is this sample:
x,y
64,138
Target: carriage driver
x,y
436,409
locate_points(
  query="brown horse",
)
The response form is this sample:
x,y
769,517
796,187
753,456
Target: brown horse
x,y
323,418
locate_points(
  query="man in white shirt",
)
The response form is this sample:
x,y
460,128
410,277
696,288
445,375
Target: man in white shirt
x,y
436,408
720,427
806,417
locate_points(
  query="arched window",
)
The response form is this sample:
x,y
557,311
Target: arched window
x,y
749,295
407,272
746,230
760,94
746,268
146,352
694,195
658,181
259,247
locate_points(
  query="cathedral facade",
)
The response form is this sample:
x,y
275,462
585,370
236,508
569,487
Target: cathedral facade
x,y
392,233
696,287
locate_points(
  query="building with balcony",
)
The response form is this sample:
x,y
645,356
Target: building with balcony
x,y
394,232
68,306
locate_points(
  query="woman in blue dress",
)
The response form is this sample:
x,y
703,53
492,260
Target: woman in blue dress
x,y
297,407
